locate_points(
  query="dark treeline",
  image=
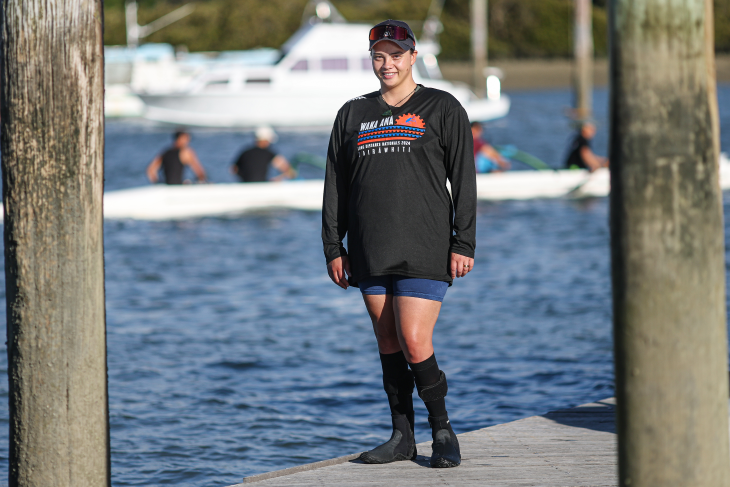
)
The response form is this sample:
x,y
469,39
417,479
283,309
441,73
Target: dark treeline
x,y
517,28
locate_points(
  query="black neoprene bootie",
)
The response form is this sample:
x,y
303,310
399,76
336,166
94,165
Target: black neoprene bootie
x,y
398,384
445,446
400,446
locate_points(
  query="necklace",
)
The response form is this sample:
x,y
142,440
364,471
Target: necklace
x,y
389,112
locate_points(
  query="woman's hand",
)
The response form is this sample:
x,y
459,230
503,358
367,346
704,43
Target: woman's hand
x,y
337,268
460,265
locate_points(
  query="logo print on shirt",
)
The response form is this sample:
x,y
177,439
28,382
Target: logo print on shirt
x,y
405,127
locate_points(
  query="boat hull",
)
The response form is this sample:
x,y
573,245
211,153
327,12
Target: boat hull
x,y
160,202
278,109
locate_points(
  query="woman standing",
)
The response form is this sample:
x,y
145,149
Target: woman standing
x,y
390,155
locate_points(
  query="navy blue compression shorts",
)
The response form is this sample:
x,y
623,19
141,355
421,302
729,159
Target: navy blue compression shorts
x,y
405,286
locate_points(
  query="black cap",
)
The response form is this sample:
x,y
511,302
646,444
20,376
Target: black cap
x,y
408,44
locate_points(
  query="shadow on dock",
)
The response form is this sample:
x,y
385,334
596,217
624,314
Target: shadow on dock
x,y
598,416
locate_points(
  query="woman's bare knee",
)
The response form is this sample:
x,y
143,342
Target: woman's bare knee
x,y
388,346
380,309
416,349
387,337
415,320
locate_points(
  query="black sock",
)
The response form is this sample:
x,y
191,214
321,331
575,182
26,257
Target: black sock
x,y
427,373
395,369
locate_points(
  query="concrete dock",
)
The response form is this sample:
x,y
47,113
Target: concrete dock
x,y
567,447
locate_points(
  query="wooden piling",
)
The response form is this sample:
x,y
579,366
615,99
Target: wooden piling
x,y
52,144
583,54
668,258
479,45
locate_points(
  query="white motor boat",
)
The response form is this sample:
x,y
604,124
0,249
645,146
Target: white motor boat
x,y
160,202
156,68
322,66
129,69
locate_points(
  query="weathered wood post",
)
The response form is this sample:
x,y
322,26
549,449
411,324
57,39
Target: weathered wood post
x,y
667,247
583,53
52,144
479,44
130,18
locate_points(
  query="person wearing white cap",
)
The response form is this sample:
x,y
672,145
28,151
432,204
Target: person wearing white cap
x,y
252,165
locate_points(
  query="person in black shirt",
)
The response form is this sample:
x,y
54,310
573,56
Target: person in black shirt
x,y
252,166
580,155
390,155
174,160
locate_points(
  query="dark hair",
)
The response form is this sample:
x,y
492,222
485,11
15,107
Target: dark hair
x,y
477,124
178,134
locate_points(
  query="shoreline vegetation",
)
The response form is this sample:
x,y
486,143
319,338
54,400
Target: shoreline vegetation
x,y
531,74
517,28
530,40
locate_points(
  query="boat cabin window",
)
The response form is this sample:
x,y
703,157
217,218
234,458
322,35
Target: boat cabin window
x,y
216,85
258,81
334,64
301,65
367,64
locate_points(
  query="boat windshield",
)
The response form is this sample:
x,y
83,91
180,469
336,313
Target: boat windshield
x,y
301,65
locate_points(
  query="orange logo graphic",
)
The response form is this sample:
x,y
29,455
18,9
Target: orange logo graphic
x,y
411,120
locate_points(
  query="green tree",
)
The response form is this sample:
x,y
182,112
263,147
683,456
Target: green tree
x,y
517,28
722,25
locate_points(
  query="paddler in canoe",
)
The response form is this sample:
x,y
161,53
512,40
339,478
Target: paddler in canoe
x,y
486,157
174,160
580,154
253,164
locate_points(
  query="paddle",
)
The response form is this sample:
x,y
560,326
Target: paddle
x,y
508,151
576,191
307,158
512,152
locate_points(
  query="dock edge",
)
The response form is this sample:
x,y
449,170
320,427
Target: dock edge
x,y
297,469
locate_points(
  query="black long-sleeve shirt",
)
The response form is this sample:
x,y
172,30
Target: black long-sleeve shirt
x,y
385,186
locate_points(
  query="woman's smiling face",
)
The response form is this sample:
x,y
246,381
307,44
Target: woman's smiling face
x,y
391,64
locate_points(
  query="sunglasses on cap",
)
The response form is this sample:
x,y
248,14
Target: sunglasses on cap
x,y
389,32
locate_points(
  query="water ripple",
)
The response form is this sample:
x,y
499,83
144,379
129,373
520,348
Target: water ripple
x,y
231,353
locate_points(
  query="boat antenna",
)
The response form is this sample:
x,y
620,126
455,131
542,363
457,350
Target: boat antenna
x,y
135,32
318,11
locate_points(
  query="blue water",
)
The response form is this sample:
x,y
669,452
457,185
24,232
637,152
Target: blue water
x,y
231,353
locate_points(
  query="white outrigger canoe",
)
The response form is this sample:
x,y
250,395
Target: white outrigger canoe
x,y
160,202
